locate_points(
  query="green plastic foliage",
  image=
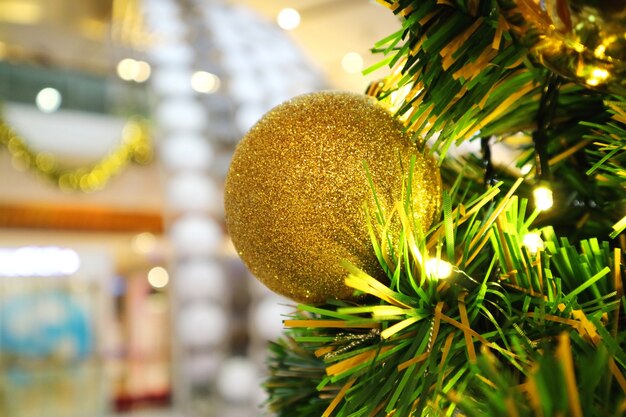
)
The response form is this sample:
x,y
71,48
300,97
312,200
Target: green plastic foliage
x,y
475,343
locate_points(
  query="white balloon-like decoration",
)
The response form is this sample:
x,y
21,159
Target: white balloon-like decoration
x,y
202,279
161,9
186,152
249,66
166,17
193,192
238,380
266,319
196,235
201,322
201,325
203,366
172,52
259,76
180,114
173,81
248,115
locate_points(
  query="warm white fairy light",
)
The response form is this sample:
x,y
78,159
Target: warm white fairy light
x,y
543,197
526,169
437,268
597,76
533,242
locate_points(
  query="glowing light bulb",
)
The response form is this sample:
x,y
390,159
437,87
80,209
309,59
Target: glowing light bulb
x,y
600,51
543,197
597,76
524,170
352,62
158,277
437,268
48,100
533,242
288,19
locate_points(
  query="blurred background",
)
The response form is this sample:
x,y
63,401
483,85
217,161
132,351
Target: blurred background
x,y
120,292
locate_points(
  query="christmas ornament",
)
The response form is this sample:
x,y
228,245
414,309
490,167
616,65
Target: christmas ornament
x,y
297,184
582,40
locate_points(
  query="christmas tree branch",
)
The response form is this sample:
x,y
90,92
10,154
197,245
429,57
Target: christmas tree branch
x,y
425,341
458,59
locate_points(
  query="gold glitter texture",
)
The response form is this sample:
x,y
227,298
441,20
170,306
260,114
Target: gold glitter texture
x,y
296,188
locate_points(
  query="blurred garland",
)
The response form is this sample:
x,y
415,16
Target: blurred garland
x,y
135,147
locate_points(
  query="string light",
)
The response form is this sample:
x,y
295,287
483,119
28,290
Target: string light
x,y
533,242
543,197
597,76
437,268
524,170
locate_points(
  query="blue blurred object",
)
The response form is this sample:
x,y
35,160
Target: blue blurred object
x,y
50,324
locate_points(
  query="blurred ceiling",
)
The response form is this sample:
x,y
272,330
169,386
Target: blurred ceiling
x,y
60,33
95,34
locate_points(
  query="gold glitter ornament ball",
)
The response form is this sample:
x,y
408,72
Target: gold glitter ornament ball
x,y
296,187
583,40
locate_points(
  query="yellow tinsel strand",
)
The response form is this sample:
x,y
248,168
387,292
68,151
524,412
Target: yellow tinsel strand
x,y
135,146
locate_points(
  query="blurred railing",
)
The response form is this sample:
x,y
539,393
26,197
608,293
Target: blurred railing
x,y
79,90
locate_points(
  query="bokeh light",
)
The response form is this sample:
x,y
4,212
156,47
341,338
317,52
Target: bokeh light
x,y
288,18
205,82
48,100
158,277
352,62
